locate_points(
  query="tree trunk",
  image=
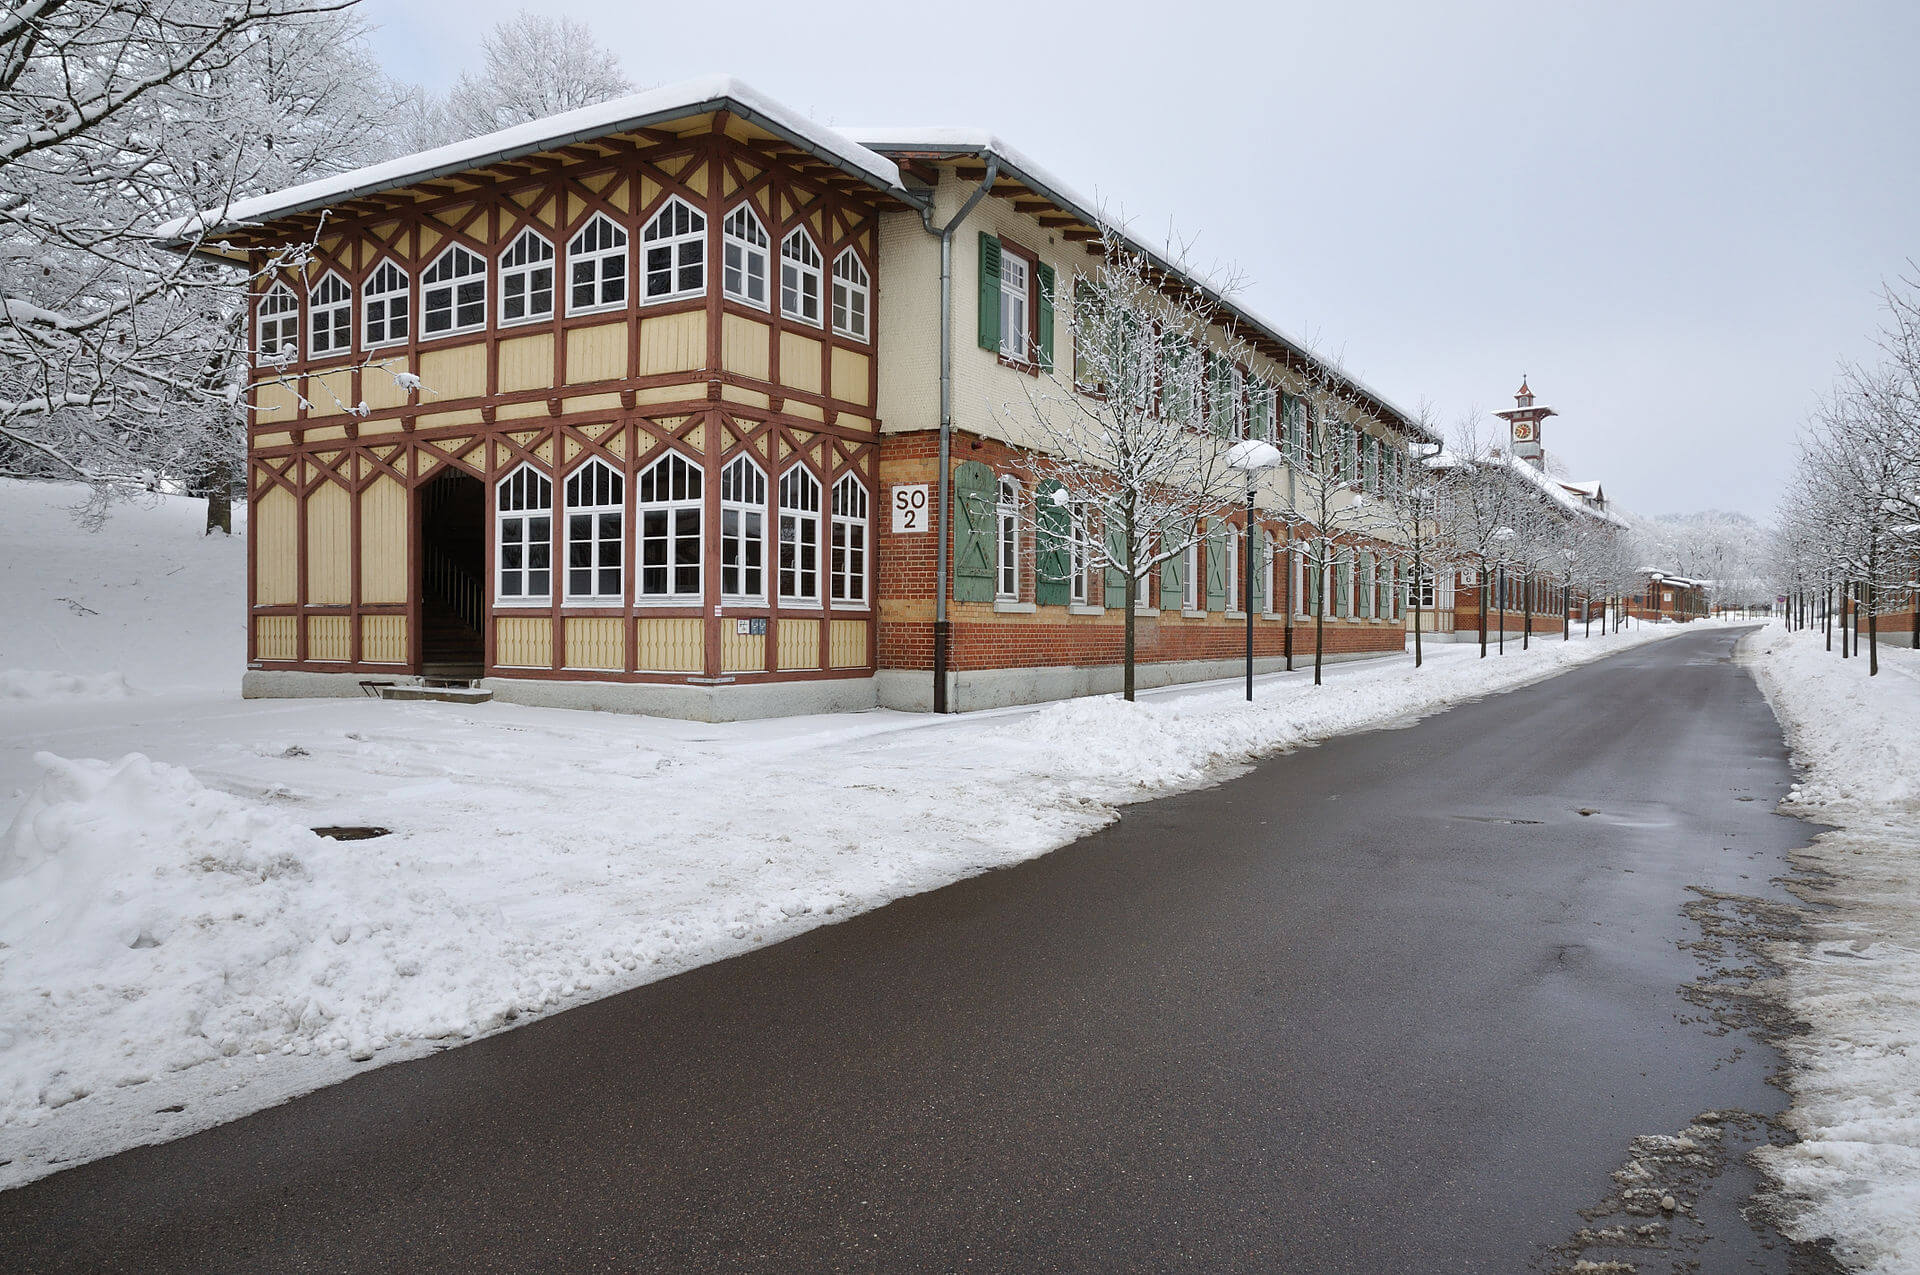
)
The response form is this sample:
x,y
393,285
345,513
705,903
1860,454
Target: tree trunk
x,y
219,484
1846,607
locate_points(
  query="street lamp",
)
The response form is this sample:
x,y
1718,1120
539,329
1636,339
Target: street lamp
x,y
1252,457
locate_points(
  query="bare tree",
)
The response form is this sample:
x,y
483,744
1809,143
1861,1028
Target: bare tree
x,y
536,65
1409,511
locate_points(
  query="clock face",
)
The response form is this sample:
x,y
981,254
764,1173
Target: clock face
x,y
1523,431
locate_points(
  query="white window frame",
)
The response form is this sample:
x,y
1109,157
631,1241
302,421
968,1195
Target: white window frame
x,y
744,247
390,317
673,531
604,552
1190,578
801,282
1233,565
278,312
1014,305
847,566
1297,578
743,532
1364,586
799,532
1006,540
1267,577
525,271
522,497
849,285
1079,555
662,235
600,246
450,289
329,317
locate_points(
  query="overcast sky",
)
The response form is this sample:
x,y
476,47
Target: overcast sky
x,y
1674,217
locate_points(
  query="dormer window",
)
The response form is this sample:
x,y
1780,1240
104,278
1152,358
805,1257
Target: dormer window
x,y
743,265
526,279
675,248
277,326
330,311
851,291
800,278
453,293
597,266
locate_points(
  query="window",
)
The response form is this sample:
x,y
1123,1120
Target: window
x,y
1426,590
1364,588
596,531
1296,577
1343,585
1267,573
1013,306
1259,411
453,293
743,259
849,567
743,530
384,310
526,279
330,313
800,278
1079,555
523,523
669,500
851,290
675,242
1178,376
799,536
1190,578
1006,572
597,266
277,326
1233,568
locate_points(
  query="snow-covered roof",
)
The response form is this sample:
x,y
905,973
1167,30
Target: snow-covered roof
x,y
622,114
947,140
1556,491
1541,408
1591,488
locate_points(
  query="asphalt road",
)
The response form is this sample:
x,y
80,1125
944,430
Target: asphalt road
x,y
1389,1004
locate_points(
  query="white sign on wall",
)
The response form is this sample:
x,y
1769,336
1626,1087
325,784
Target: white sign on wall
x,y
909,508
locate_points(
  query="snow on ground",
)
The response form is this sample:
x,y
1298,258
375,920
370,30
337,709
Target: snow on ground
x,y
181,948
1855,981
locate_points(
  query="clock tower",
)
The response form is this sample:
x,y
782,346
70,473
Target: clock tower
x,y
1524,419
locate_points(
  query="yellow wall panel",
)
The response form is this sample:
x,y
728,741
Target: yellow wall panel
x,y
523,641
274,401
591,403
329,638
383,639
598,353
276,564
847,644
526,362
670,644
799,644
329,546
460,372
673,343
742,652
743,346
274,636
384,554
850,380
377,385
596,642
800,362
330,393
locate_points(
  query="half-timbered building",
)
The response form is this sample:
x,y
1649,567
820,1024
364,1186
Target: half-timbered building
x,y
645,407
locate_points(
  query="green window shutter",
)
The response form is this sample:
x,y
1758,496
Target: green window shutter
x,y
975,494
1316,581
1363,590
1173,584
1116,579
1052,561
1216,568
1086,326
1043,314
989,292
1343,587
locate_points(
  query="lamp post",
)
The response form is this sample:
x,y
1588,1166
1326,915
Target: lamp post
x,y
1252,457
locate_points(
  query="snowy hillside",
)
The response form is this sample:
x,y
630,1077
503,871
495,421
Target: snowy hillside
x,y
145,604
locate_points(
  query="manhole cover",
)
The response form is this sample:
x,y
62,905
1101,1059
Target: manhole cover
x,y
366,832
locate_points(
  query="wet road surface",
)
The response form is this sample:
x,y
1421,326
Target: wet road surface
x,y
1400,1002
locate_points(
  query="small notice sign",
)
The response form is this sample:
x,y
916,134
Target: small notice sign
x,y
751,628
909,508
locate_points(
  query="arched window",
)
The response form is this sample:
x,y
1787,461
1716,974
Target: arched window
x,y
596,531
277,326
743,267
849,566
1006,572
850,294
523,525
743,531
670,540
800,278
453,293
526,278
675,243
384,311
330,316
799,536
597,266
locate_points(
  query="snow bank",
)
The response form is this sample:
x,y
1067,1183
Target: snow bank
x,y
1855,1175
31,684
